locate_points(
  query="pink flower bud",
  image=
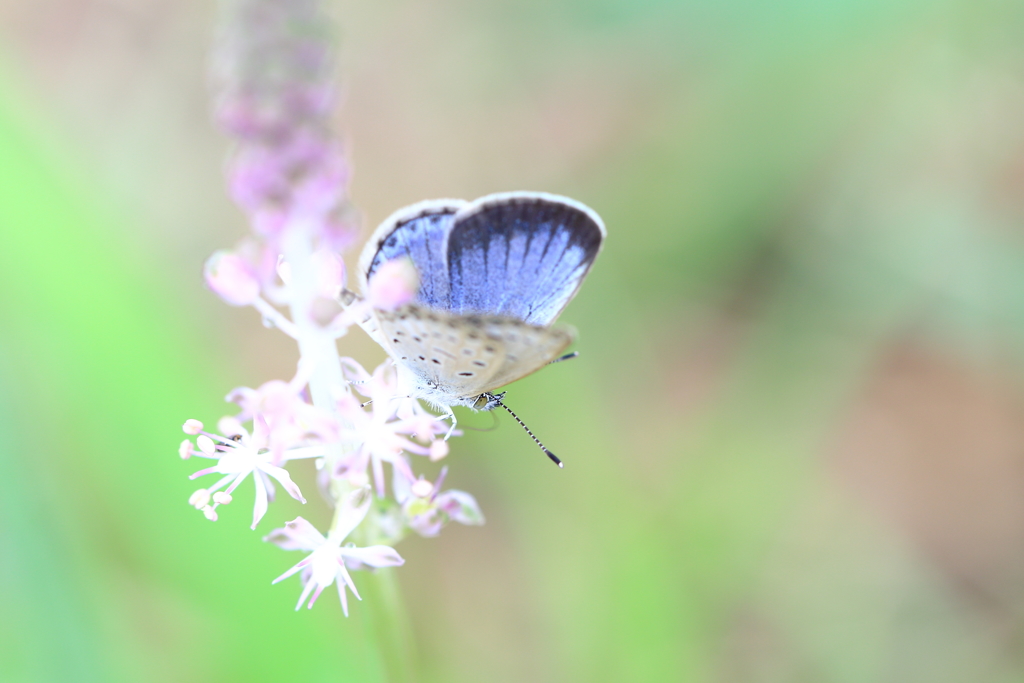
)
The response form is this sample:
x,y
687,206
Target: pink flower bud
x,y
422,488
438,449
192,427
322,175
230,426
394,284
199,499
232,278
185,449
340,228
329,271
256,176
268,221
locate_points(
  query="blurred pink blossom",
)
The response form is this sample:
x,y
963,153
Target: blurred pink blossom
x,y
289,174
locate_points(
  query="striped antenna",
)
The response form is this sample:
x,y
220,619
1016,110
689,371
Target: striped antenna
x,y
554,458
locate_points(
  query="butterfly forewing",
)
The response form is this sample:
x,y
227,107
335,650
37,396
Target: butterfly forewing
x,y
520,255
418,232
445,353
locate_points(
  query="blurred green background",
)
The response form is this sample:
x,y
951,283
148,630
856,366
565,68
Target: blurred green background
x,y
794,440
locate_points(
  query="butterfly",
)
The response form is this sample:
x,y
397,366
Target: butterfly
x,y
494,275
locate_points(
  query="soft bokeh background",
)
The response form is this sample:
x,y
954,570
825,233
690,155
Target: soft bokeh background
x,y
795,436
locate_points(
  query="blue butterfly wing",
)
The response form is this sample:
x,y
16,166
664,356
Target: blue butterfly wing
x,y
520,255
417,232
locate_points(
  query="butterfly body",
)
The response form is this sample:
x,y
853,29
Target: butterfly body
x,y
494,275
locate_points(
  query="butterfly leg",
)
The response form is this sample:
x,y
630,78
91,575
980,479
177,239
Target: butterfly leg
x,y
450,414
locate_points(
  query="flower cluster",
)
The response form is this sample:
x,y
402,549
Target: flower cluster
x,y
289,175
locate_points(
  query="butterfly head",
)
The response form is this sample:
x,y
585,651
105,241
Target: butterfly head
x,y
488,401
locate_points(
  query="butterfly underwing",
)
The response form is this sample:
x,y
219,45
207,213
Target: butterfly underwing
x,y
494,273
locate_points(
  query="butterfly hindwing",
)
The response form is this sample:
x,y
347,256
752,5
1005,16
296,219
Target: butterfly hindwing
x,y
418,232
520,255
461,357
527,349
445,354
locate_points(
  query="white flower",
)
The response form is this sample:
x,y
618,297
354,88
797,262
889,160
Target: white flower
x,y
326,562
243,455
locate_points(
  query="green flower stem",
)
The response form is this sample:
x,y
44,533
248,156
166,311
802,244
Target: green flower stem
x,y
388,624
